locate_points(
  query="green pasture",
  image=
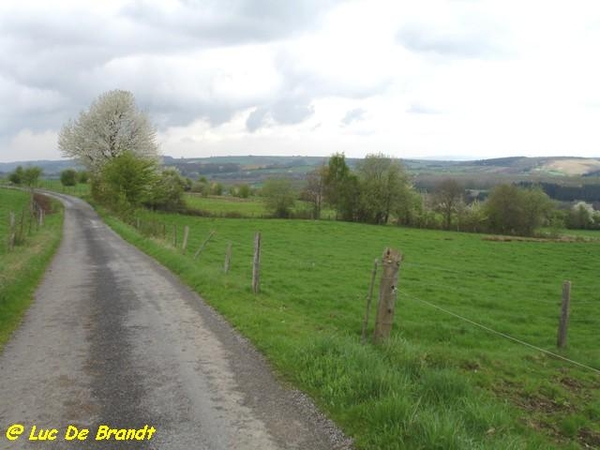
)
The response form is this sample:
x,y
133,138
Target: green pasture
x,y
22,268
80,189
253,207
441,381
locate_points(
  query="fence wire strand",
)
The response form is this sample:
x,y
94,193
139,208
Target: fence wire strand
x,y
500,333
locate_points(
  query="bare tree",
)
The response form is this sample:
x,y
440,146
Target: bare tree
x,y
111,126
447,196
314,190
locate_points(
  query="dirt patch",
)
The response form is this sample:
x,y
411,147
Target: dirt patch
x,y
589,438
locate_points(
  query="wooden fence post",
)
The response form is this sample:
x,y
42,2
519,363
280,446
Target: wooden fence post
x,y
227,258
12,232
256,265
204,244
563,323
387,294
363,336
174,235
186,235
41,217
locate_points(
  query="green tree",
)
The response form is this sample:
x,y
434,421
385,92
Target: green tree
x,y
68,177
216,188
31,176
16,177
341,187
383,187
279,196
517,211
83,176
167,190
125,182
242,191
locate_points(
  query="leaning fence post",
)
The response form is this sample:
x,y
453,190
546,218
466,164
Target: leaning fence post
x,y
256,265
204,244
387,294
563,323
363,335
227,258
186,235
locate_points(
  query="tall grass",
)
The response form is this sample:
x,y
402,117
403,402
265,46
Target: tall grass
x,y
22,268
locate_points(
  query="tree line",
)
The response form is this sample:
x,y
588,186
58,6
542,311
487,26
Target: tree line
x,y
379,191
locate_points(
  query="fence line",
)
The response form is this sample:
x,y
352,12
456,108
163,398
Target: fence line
x,y
500,333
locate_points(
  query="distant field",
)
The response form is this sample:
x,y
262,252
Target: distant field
x,y
441,382
55,185
21,269
249,208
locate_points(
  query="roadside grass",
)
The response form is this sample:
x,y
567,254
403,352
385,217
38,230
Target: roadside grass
x,y
22,269
440,382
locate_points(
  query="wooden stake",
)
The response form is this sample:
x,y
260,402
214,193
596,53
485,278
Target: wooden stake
x,y
227,258
387,294
563,323
12,232
363,335
204,244
174,235
256,265
186,235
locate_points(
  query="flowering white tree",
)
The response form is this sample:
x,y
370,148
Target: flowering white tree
x,y
111,126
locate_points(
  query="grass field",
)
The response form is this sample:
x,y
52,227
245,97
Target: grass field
x,y
55,185
21,269
248,208
440,382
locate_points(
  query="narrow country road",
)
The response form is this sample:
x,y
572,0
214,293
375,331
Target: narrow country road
x,y
114,341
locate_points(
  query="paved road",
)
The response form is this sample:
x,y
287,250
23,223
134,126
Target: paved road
x,y
114,339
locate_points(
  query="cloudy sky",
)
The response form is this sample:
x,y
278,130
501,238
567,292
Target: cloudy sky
x,y
456,79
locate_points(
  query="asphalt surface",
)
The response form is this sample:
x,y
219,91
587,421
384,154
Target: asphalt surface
x,y
114,341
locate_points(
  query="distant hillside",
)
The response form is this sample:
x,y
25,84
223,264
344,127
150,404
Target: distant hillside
x,y
255,169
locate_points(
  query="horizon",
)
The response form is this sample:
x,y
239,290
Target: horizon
x,y
429,159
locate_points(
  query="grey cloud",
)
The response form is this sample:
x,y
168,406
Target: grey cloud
x,y
76,55
450,44
418,108
256,119
290,111
354,115
214,22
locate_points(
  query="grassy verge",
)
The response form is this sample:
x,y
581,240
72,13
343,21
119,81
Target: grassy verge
x,y
22,268
440,382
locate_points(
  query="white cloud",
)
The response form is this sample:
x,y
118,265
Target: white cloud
x,y
412,79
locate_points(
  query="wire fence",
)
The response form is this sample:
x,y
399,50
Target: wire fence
x,y
172,234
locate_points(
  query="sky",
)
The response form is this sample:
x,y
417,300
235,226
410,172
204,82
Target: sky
x,y
455,79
